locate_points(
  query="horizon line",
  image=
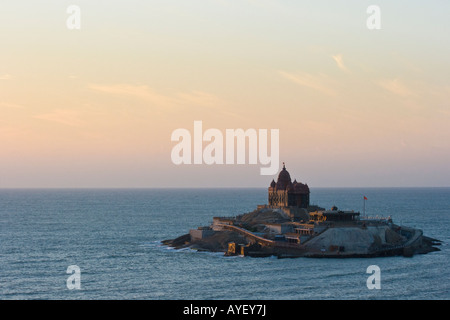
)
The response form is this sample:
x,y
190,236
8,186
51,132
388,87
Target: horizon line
x,y
141,188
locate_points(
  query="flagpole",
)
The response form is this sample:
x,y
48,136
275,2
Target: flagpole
x,y
364,201
364,206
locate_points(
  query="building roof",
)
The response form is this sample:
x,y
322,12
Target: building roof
x,y
284,178
284,182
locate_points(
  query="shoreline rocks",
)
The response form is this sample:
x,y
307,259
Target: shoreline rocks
x,y
332,240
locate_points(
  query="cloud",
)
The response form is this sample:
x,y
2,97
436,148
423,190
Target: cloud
x,y
147,94
11,105
395,86
192,99
62,116
5,76
199,98
316,82
137,91
340,62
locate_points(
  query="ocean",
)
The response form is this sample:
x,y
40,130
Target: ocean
x,y
114,237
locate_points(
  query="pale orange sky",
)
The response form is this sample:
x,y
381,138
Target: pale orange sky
x,y
96,107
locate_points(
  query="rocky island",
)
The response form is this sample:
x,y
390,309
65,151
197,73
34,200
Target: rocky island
x,y
288,227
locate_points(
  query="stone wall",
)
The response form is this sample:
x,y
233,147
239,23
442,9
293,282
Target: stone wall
x,y
200,233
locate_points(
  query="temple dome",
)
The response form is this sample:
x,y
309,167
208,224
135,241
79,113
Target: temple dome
x,y
285,193
284,178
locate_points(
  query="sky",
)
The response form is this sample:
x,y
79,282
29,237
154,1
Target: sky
x,y
95,107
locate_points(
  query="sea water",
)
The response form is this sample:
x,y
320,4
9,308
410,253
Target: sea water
x,y
114,237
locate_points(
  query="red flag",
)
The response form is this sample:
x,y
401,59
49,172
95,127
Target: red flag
x,y
365,198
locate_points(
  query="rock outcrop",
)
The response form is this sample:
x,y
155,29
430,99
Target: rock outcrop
x,y
358,238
